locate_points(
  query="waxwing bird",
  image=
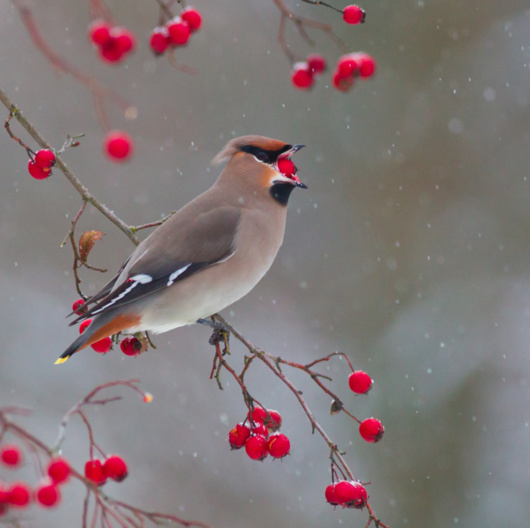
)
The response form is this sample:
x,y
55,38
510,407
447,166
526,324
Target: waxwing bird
x,y
206,256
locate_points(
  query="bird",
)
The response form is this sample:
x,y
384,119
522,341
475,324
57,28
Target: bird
x,y
207,255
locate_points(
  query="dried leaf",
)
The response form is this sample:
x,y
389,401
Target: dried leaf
x,y
87,241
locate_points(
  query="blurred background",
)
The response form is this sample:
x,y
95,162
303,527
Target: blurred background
x,y
409,252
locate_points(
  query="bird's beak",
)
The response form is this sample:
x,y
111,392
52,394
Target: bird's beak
x,y
292,176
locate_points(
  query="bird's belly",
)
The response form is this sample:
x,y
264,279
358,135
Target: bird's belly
x,y
201,295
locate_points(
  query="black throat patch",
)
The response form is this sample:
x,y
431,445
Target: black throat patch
x,y
281,192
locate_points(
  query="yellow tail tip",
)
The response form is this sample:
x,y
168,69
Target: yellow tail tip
x,y
61,360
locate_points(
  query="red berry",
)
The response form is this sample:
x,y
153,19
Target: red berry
x,y
286,166
192,17
94,472
347,66
99,32
115,468
118,145
316,63
130,346
19,494
353,14
259,415
350,494
331,495
179,31
103,345
45,159
366,65
83,325
275,421
260,429
360,382
77,307
340,83
4,495
48,495
257,447
125,40
11,455
238,436
301,76
111,51
371,430
37,172
159,40
279,445
59,470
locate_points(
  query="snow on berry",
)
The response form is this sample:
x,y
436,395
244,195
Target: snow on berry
x,y
257,447
353,14
11,455
351,494
45,159
94,472
159,40
103,345
37,172
118,146
301,76
179,31
366,65
115,468
360,382
260,429
48,495
192,17
279,445
238,436
59,470
371,430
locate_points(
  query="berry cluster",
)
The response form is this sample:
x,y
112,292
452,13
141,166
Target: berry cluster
x,y
348,68
112,43
130,346
259,437
351,66
114,467
20,494
347,493
176,32
41,166
303,74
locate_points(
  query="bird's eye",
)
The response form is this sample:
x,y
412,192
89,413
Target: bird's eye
x,y
261,155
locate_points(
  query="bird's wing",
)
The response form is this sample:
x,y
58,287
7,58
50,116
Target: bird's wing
x,y
182,246
104,291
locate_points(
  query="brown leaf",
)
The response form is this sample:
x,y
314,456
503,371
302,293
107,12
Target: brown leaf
x,y
87,241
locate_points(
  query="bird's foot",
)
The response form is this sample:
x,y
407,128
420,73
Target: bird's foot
x,y
220,333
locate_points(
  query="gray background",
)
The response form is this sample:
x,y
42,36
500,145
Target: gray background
x,y
409,252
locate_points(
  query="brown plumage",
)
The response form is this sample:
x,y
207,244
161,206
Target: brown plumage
x,y
206,256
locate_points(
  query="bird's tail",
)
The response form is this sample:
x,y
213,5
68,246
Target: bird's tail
x,y
102,326
72,349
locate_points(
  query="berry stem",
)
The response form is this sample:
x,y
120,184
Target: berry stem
x,y
318,2
59,163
